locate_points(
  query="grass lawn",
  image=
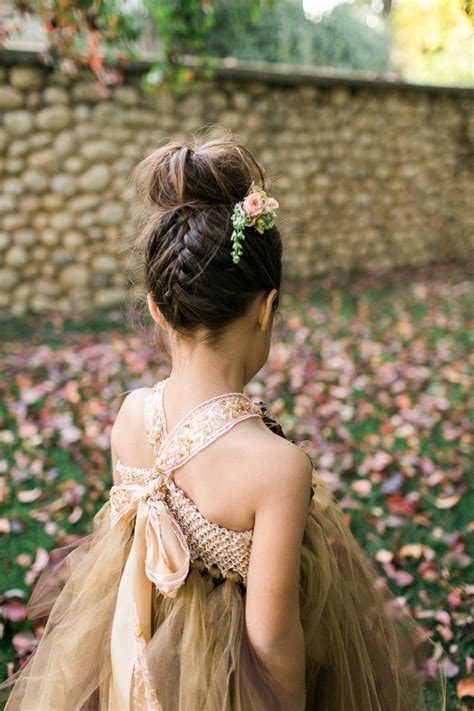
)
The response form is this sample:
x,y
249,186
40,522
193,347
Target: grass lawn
x,y
373,374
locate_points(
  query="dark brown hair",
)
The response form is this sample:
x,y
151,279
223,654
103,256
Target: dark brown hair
x,y
189,190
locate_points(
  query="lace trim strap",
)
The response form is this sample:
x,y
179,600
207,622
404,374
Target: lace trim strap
x,y
152,416
128,473
196,430
202,427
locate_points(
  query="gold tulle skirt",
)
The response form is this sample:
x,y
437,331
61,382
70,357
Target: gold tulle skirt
x,y
358,644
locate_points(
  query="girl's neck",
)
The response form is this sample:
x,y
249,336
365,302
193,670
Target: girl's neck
x,y
204,373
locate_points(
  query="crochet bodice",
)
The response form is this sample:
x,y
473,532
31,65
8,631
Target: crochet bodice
x,y
222,551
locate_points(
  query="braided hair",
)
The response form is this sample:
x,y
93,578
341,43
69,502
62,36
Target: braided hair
x,y
189,190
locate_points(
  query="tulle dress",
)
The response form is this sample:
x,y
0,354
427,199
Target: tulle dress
x,y
147,612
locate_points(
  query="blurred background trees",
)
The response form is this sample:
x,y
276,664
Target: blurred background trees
x,y
428,41
285,33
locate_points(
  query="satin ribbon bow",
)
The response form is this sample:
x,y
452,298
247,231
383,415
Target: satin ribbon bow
x,y
159,556
167,554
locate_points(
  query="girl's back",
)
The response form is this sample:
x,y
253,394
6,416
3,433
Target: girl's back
x,y
227,479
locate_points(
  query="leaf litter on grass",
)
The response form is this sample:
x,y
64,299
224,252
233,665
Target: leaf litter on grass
x,y
374,382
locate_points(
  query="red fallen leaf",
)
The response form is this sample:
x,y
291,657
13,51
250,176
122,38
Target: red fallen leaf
x,y
443,617
23,559
445,633
403,401
428,571
454,599
13,611
381,460
403,578
432,667
465,687
362,487
24,642
96,62
435,478
397,504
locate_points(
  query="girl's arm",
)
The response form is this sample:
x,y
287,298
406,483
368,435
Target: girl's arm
x,y
272,603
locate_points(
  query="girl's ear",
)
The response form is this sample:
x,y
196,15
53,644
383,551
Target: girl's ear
x,y
155,312
266,310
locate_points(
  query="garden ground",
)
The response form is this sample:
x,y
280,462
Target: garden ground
x,y
372,374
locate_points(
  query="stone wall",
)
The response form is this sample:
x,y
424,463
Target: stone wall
x,y
369,175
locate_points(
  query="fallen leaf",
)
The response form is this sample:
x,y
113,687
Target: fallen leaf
x,y
13,611
27,496
465,687
447,502
411,550
24,642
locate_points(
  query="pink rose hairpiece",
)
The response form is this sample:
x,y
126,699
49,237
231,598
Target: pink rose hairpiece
x,y
256,210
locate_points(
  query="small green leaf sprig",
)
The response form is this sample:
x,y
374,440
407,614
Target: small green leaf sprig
x,y
256,210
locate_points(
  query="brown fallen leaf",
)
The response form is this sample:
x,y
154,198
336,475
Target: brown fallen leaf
x,y
28,495
465,687
384,556
447,502
411,550
4,525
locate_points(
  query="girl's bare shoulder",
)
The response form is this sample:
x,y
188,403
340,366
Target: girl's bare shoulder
x,y
128,435
268,458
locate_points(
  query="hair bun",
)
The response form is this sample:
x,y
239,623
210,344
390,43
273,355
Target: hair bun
x,y
197,174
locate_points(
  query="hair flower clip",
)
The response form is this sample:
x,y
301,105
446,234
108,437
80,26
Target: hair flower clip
x,y
255,210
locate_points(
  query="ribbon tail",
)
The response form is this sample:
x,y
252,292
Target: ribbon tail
x,y
132,617
167,555
159,556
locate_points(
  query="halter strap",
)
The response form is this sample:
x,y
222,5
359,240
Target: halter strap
x,y
201,426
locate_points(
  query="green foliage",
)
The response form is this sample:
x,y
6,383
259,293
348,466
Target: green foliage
x,y
180,27
283,34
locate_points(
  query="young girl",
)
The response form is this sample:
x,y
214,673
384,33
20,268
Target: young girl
x,y
219,575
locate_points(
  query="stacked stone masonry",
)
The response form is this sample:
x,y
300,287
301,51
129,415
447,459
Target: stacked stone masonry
x,y
368,178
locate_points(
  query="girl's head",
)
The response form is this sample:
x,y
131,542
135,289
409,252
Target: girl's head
x,y
194,290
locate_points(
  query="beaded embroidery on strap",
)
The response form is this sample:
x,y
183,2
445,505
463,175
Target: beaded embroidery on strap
x,y
202,427
152,415
131,474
